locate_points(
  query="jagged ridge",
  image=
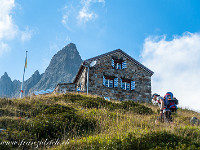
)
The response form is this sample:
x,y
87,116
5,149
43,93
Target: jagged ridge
x,y
62,68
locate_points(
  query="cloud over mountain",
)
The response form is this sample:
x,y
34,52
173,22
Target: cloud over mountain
x,y
8,28
176,65
80,13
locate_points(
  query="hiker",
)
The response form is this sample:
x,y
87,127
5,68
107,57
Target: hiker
x,y
157,98
170,106
170,102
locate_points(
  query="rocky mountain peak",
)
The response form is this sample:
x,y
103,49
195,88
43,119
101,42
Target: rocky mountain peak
x,y
68,52
5,75
62,68
36,73
6,86
70,45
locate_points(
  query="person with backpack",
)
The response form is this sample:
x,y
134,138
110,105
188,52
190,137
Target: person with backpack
x,y
170,106
170,102
167,105
160,100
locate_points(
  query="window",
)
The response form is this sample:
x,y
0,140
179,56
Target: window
x,y
124,65
132,85
127,84
116,82
118,64
110,81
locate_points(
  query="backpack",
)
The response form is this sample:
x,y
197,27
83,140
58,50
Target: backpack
x,y
170,102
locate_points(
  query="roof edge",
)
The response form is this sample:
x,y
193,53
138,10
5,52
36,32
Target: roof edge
x,y
119,50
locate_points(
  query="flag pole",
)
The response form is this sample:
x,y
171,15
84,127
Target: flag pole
x,y
25,66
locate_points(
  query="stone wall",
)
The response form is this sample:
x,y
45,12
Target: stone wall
x,y
82,81
65,87
134,72
103,67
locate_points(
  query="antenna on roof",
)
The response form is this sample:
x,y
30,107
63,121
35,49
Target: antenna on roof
x,y
93,63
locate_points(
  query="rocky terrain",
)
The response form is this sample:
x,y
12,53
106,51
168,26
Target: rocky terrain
x,y
62,68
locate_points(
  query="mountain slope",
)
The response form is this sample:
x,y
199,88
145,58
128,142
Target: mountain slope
x,y
32,81
62,68
6,86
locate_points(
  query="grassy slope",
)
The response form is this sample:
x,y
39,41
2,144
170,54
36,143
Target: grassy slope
x,y
89,122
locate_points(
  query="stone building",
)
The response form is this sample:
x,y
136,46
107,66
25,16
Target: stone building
x,y
113,75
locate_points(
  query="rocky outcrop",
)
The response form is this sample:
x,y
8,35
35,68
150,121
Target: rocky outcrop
x,y
28,84
62,68
12,89
194,121
6,86
16,88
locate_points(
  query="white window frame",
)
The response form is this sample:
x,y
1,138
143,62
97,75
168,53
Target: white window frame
x,y
109,83
125,86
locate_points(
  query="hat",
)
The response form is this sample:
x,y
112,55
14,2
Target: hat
x,y
155,94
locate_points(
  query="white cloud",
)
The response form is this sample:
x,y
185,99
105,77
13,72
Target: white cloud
x,y
3,48
85,14
65,19
79,14
7,28
27,34
176,66
69,13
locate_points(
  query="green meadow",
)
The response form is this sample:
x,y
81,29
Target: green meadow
x,y
77,121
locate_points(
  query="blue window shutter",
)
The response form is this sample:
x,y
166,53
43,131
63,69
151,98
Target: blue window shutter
x,y
127,86
124,85
111,83
113,63
121,83
116,82
104,81
132,85
119,66
107,83
124,65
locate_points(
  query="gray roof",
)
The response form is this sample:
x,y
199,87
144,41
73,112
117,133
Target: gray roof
x,y
87,61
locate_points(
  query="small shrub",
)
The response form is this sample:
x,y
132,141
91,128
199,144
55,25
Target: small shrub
x,y
191,132
57,109
143,110
89,104
37,109
6,112
58,120
5,101
185,120
127,105
13,123
24,107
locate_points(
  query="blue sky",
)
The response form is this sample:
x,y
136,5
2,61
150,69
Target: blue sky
x,y
95,26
